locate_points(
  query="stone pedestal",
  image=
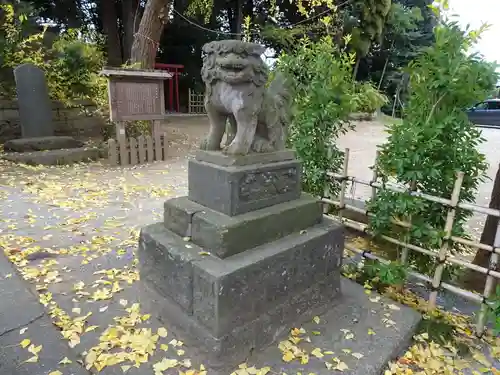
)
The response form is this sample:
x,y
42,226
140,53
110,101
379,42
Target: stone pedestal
x,y
243,258
53,150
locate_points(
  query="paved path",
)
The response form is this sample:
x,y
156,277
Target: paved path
x,y
72,233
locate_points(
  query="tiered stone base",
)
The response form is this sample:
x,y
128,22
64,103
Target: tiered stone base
x,y
56,150
234,279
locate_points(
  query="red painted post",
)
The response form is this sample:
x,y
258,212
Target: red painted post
x,y
176,70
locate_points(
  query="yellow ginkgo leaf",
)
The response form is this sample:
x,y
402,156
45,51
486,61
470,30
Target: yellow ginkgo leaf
x,y
317,353
357,355
162,332
25,343
65,361
35,349
126,368
341,366
316,319
91,328
32,359
57,372
288,356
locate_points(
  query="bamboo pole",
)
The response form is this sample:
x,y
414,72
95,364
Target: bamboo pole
x,y
343,183
397,189
488,287
417,248
451,288
404,253
326,187
374,176
479,209
443,252
364,228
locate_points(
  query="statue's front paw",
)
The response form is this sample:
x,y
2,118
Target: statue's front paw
x,y
209,146
236,149
262,145
203,144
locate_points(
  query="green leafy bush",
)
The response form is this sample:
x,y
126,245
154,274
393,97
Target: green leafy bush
x,y
494,311
320,75
434,141
390,274
368,99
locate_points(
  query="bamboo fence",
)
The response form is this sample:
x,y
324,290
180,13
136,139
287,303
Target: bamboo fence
x,y
140,150
442,256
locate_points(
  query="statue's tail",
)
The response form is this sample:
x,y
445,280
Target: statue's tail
x,y
279,93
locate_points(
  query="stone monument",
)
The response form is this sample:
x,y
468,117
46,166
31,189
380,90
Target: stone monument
x,y
35,109
38,144
246,254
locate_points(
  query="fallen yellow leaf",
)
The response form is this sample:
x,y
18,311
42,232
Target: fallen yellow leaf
x,y
162,332
317,353
32,359
288,356
65,361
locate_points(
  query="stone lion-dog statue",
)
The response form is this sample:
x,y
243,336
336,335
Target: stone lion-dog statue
x,y
236,90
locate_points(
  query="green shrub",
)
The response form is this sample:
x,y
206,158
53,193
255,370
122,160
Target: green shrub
x,y
434,141
321,78
368,99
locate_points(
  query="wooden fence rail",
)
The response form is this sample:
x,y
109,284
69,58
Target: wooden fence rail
x,y
442,256
140,150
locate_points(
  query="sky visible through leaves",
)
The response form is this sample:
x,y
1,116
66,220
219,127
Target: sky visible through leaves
x,y
72,233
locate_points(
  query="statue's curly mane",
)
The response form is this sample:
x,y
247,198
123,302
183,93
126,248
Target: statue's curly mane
x,y
250,52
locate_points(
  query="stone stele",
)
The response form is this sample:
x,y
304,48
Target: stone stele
x,y
241,259
35,109
235,77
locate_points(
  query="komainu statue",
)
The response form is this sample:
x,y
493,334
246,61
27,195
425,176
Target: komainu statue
x,y
236,90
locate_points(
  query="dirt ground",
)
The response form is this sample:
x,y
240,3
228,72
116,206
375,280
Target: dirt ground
x,y
185,133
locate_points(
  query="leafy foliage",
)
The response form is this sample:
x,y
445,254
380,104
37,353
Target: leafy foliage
x,y
494,311
72,64
390,274
434,141
322,91
368,99
371,17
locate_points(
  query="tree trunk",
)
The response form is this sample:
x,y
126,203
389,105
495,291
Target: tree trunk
x,y
238,15
355,70
129,10
147,38
70,9
475,280
385,66
109,19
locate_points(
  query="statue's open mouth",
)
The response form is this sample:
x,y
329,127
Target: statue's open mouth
x,y
232,63
233,68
